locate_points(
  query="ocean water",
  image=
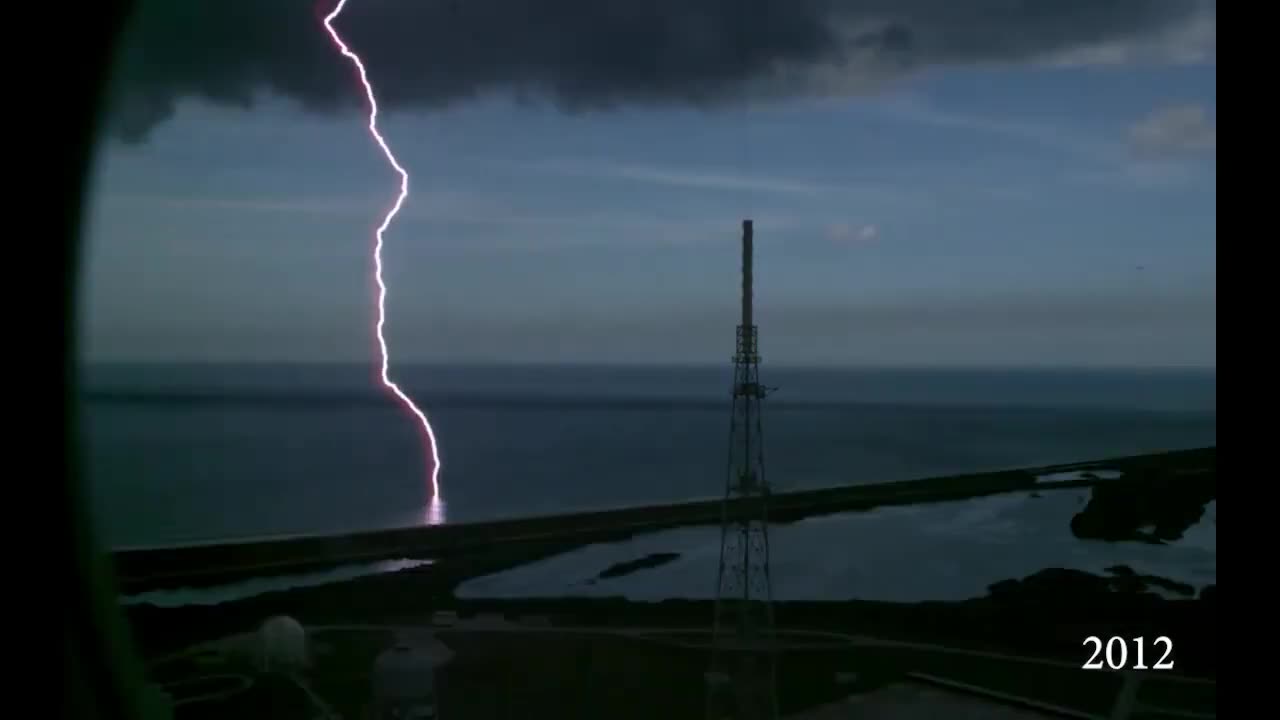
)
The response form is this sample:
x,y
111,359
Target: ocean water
x,y
187,453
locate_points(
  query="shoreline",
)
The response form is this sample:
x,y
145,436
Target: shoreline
x,y
142,569
1047,613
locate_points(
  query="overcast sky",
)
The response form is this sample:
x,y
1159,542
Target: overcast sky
x,y
930,186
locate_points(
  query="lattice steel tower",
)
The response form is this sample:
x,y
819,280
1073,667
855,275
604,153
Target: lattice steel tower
x,y
741,683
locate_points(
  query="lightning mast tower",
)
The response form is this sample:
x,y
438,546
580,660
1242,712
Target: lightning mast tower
x,y
741,683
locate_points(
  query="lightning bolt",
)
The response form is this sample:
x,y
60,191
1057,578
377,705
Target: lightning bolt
x,y
377,253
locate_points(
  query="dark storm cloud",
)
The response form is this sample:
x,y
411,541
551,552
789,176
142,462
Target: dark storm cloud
x,y
593,54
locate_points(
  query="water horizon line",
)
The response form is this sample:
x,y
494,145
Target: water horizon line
x,y
89,364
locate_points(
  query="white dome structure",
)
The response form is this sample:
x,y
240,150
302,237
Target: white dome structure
x,y
282,645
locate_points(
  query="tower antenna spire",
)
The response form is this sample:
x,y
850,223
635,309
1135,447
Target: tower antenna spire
x,y
741,683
